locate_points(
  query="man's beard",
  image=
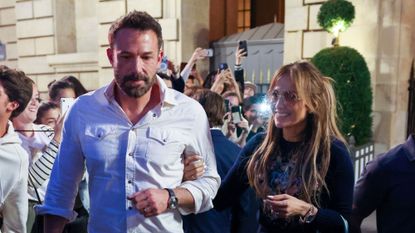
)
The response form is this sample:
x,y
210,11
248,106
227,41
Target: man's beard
x,y
126,84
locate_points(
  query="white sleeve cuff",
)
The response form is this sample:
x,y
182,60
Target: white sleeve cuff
x,y
43,210
202,203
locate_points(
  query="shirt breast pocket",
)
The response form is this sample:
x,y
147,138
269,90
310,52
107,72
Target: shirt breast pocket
x,y
100,142
165,146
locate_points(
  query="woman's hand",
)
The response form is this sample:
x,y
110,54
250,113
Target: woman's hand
x,y
239,55
286,206
194,167
219,85
58,128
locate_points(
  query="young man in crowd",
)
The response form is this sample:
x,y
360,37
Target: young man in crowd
x,y
15,94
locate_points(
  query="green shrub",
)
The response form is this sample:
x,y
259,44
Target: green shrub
x,y
353,90
336,15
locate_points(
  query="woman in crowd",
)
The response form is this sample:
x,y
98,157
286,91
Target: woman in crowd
x,y
66,87
48,114
41,143
78,87
300,168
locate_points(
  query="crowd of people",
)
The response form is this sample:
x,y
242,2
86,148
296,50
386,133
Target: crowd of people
x,y
160,150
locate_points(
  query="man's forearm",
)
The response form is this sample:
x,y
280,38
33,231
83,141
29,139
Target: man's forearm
x,y
185,198
54,224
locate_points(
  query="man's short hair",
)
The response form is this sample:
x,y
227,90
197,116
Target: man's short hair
x,y
213,104
255,99
135,20
17,86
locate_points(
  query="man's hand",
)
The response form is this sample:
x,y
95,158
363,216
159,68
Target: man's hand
x,y
194,167
150,202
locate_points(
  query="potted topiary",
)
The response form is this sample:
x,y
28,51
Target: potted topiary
x,y
349,70
336,16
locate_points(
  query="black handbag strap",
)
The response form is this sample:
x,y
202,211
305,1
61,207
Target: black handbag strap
x,y
37,193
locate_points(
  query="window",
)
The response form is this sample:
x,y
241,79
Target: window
x,y
244,15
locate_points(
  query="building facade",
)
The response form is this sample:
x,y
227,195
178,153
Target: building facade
x,y
51,38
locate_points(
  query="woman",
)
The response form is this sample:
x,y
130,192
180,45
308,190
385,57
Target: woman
x,y
300,168
48,114
41,143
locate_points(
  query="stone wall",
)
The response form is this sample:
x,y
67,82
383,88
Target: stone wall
x,y
49,39
383,32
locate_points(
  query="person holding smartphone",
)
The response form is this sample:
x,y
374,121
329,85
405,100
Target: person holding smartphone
x,y
41,142
241,52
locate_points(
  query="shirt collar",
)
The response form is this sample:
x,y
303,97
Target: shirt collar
x,y
410,147
166,94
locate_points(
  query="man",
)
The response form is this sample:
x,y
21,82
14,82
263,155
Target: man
x,y
253,113
132,134
388,186
15,93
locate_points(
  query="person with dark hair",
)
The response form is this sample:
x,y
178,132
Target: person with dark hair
x,y
41,143
253,113
387,186
48,114
235,130
166,79
78,87
210,79
226,153
15,94
134,136
61,89
300,168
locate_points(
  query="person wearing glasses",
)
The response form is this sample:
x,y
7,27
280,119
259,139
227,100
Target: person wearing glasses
x,y
300,168
41,142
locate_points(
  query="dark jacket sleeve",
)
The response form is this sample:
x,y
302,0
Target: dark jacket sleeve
x,y
340,182
239,77
178,84
236,181
368,193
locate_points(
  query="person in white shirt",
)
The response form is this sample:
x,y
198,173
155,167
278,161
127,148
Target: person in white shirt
x,y
15,93
133,135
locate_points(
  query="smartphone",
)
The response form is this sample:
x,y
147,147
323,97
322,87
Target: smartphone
x,y
66,103
209,52
223,66
227,109
244,46
236,114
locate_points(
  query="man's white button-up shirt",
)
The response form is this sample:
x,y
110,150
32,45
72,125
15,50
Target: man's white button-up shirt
x,y
122,158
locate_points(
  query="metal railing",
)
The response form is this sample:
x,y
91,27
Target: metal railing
x,y
361,155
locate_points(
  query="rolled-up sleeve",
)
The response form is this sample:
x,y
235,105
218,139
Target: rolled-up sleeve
x,y
67,172
204,188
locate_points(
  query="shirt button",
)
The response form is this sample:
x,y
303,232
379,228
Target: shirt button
x,y
130,154
130,208
154,115
129,181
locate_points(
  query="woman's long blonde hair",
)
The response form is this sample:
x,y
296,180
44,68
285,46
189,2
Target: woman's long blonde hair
x,y
313,161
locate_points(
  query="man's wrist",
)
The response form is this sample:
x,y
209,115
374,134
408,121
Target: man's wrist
x,y
172,200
